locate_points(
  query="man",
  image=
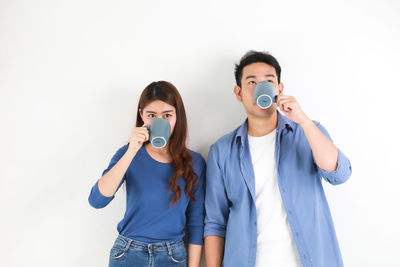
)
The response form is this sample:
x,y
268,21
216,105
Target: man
x,y
265,205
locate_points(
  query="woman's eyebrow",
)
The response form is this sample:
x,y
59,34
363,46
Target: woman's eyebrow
x,y
166,111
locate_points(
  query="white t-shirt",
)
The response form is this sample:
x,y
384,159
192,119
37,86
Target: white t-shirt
x,y
275,243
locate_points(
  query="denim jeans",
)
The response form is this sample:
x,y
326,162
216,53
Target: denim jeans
x,y
127,252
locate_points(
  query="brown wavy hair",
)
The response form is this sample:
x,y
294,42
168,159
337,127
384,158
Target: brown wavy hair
x,y
181,157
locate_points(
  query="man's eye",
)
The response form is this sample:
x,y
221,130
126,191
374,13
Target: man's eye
x,y
252,82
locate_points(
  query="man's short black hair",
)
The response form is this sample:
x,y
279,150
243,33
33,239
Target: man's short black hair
x,y
254,57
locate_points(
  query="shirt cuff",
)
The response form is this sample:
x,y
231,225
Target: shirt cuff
x,y
214,229
342,172
195,235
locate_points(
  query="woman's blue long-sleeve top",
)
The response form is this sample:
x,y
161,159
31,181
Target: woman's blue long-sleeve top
x,y
149,216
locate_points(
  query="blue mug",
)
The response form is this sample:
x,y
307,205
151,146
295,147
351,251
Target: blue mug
x,y
264,94
159,132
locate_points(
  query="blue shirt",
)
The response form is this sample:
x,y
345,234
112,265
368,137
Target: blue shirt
x,y
149,216
230,196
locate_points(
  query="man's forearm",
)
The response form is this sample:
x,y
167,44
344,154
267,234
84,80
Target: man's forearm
x,y
324,151
214,250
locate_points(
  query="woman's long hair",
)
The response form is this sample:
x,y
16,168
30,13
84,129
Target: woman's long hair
x,y
181,157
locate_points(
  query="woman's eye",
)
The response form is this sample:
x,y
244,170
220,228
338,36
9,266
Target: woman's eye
x,y
167,115
151,116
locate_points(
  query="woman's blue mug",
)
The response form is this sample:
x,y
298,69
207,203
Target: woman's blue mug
x,y
159,132
264,94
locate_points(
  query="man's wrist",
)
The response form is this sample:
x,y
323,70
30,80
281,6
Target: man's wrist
x,y
306,123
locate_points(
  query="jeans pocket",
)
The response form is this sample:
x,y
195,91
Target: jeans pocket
x,y
119,249
178,254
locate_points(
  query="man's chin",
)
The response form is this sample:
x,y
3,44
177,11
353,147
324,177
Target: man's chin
x,y
263,113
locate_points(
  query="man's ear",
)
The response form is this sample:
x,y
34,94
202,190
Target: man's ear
x,y
238,92
280,88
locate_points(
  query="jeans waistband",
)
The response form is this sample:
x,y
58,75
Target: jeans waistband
x,y
160,246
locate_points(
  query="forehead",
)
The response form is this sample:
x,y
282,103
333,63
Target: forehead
x,y
258,69
158,106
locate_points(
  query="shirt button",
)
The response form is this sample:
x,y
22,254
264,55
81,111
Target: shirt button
x,y
283,190
297,234
290,212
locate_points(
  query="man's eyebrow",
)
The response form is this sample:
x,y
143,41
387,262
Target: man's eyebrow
x,y
266,75
250,76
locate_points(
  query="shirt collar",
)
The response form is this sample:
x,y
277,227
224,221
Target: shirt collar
x,y
283,124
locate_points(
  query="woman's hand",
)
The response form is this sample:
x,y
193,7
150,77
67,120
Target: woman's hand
x,y
139,135
108,184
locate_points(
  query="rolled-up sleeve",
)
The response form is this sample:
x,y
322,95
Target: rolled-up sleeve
x,y
216,202
343,169
195,212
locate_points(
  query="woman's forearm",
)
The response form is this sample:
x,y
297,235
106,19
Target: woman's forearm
x,y
194,255
109,183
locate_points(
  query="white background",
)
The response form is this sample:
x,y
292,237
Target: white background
x,y
71,73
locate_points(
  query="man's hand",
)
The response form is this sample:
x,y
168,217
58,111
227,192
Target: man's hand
x,y
324,151
292,110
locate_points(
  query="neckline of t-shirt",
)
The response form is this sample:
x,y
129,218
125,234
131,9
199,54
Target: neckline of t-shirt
x,y
268,136
146,153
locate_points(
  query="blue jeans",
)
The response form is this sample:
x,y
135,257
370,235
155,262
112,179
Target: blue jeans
x,y
127,252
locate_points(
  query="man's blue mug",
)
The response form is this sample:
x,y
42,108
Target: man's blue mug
x,y
159,132
264,94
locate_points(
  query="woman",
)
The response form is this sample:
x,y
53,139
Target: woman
x,y
164,188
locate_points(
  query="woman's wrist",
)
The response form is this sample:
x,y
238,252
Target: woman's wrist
x,y
132,150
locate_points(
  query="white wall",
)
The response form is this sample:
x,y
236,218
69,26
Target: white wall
x,y
71,73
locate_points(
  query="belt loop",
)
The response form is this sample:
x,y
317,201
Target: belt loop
x,y
128,244
169,249
149,256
